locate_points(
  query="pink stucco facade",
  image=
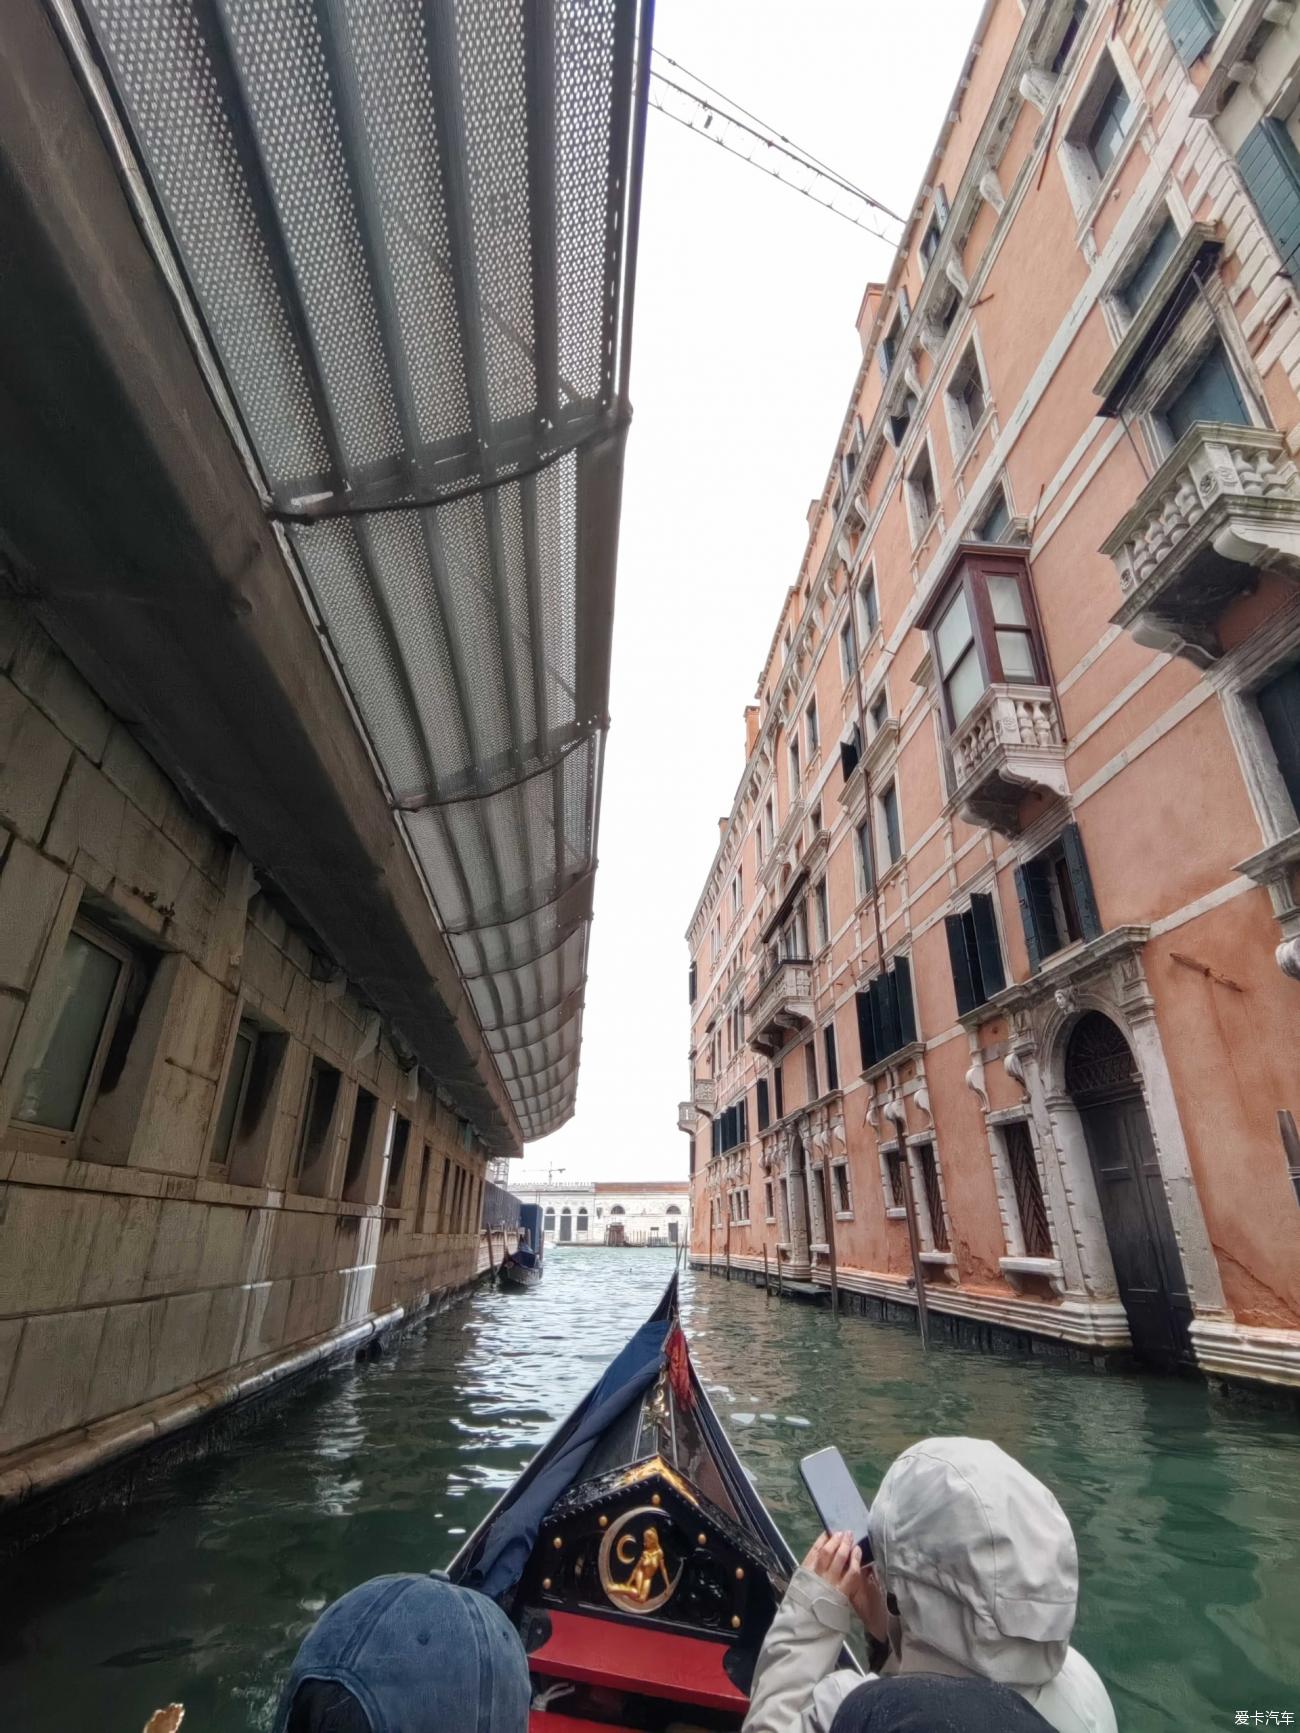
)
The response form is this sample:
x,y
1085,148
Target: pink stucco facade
x,y
1004,912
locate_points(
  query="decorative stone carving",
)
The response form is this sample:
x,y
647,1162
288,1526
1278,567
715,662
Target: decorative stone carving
x,y
1288,958
991,190
975,1079
1224,502
782,1003
1037,86
922,1100
1014,1066
1009,745
1067,1000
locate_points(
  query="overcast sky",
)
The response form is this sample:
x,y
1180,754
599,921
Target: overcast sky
x,y
743,357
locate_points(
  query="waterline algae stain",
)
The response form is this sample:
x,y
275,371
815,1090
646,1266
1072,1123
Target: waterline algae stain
x,y
1186,1508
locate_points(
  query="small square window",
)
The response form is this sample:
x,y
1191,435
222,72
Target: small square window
x,y
890,819
88,993
994,522
966,400
922,497
869,606
1112,116
846,651
1144,275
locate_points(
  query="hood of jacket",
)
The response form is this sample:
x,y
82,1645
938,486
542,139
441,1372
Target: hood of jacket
x,y
980,1559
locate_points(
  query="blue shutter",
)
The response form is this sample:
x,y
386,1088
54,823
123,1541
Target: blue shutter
x,y
903,1000
987,949
1028,914
1080,882
866,1031
1193,25
1270,167
960,963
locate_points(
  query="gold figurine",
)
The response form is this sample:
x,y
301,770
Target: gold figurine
x,y
640,1585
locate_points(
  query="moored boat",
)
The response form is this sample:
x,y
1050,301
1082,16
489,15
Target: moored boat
x,y
522,1268
633,1555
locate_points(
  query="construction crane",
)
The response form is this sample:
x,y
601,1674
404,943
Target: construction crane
x,y
697,105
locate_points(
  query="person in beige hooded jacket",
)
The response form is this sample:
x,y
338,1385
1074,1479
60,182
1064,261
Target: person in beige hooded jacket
x,y
974,1560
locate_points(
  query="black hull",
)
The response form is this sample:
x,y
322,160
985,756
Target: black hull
x,y
518,1276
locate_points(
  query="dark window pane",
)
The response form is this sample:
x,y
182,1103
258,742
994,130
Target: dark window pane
x,y
1110,127
1279,705
995,523
239,1062
1153,261
893,834
933,1197
1210,394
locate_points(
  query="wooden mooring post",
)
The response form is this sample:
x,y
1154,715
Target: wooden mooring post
x,y
767,1280
728,1248
710,1239
828,1208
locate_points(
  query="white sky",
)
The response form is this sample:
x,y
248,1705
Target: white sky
x,y
743,357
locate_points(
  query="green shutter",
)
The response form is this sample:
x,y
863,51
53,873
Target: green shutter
x,y
1028,916
905,1005
1270,167
1081,882
987,948
866,1031
961,975
762,1104
1193,25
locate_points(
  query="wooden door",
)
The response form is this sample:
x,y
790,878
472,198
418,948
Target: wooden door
x,y
1135,1210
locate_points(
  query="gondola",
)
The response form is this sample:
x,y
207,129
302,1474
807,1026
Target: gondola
x,y
633,1554
519,1271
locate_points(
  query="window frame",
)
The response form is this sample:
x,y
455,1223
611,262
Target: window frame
x,y
972,566
84,927
812,728
922,523
1064,852
1087,181
317,1066
839,1170
867,600
974,943
889,810
963,427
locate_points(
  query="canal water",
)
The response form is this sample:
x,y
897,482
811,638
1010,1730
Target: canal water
x,y
1186,1507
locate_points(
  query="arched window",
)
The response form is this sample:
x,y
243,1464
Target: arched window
x,y
672,1210
582,1220
617,1210
549,1222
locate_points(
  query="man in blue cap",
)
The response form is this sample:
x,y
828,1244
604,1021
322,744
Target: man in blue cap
x,y
408,1654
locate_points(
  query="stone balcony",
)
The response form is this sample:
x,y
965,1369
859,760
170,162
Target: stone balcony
x,y
704,1094
1225,502
686,1116
1009,746
782,1004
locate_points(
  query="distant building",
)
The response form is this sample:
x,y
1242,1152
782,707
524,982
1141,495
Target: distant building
x,y
1004,921
649,1212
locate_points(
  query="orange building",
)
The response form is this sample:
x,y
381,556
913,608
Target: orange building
x,y
1006,911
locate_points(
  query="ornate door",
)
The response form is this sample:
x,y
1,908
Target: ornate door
x,y
1103,1080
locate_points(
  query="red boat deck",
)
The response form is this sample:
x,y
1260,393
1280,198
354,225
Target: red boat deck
x,y
636,1659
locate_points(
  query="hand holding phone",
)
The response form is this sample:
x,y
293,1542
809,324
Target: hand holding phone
x,y
835,1496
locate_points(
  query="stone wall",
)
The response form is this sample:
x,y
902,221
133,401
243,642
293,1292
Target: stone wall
x,y
140,1263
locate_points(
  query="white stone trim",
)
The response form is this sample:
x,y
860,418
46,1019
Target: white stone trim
x,y
1229,1350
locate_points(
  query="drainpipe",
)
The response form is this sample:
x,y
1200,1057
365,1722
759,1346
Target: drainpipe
x,y
909,1199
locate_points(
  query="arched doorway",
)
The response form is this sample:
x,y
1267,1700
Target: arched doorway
x,y
1103,1081
566,1223
672,1212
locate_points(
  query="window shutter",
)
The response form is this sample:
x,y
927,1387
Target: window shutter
x,y
882,358
744,1120
1279,705
832,1057
987,949
778,1080
1081,882
1033,939
849,755
1193,25
1270,167
866,1029
905,1002
886,1009
762,1104
961,975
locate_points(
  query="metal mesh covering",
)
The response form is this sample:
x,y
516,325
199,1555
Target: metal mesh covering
x,y
407,227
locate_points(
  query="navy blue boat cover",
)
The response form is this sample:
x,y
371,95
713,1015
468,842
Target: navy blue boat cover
x,y
512,1531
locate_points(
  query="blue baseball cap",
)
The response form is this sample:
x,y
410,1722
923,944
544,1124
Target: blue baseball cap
x,y
414,1654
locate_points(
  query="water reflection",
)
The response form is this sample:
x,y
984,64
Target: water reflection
x,y
1187,1509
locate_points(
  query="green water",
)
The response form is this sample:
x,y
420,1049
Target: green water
x,y
1187,1508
